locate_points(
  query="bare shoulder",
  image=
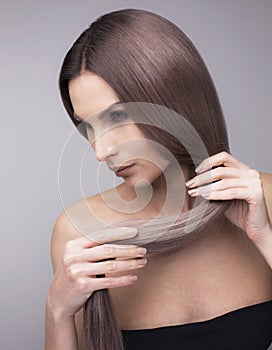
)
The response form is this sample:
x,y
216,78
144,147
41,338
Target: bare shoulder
x,y
81,218
69,226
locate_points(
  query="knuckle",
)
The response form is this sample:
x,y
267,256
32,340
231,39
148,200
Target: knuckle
x,y
225,155
224,182
68,245
108,250
217,172
258,189
111,266
70,273
259,194
80,283
67,259
228,171
73,272
254,173
247,182
233,192
259,184
254,182
108,281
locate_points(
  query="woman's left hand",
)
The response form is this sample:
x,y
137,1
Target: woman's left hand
x,y
234,180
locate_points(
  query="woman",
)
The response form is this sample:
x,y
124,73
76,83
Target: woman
x,y
133,82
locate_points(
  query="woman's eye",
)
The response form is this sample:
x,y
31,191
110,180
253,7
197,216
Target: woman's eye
x,y
116,116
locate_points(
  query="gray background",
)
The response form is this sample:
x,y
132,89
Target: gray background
x,y
233,37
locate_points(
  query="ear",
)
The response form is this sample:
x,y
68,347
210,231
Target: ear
x,y
266,180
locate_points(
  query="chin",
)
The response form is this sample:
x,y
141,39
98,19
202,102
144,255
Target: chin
x,y
143,182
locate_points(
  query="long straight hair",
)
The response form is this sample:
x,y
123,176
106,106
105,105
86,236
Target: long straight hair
x,y
147,58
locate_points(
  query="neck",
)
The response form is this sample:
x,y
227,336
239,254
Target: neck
x,y
167,194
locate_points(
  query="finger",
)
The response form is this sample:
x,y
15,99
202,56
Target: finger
x,y
106,235
220,185
221,158
214,175
112,282
91,284
231,193
109,266
107,251
250,196
120,265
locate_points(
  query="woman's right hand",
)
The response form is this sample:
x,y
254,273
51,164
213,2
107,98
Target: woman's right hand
x,y
75,278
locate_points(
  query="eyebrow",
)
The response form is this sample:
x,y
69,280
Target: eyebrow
x,y
101,114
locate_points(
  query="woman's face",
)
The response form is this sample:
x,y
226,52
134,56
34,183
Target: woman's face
x,y
115,138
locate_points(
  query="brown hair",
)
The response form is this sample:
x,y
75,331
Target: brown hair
x,y
146,58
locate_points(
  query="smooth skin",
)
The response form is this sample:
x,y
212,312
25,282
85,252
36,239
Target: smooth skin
x,y
226,268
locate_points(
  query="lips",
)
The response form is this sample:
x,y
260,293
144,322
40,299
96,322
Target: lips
x,y
119,168
123,167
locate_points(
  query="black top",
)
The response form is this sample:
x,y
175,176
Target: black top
x,y
248,328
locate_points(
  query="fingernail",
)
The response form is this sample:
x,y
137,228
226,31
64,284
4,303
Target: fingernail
x,y
141,251
199,168
192,192
133,278
142,261
189,183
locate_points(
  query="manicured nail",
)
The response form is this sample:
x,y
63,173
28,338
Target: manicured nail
x,y
192,192
189,183
141,251
133,278
142,261
199,168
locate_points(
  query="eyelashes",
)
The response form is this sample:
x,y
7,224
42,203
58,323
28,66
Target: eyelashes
x,y
114,117
117,116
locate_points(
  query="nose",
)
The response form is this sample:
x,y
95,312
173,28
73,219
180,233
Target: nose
x,y
104,147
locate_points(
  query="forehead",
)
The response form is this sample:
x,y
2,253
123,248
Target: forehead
x,y
90,94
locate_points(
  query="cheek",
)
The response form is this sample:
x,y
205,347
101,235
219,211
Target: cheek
x,y
134,132
153,155
159,165
152,165
131,140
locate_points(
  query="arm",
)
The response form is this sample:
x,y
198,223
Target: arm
x,y
62,332
76,259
